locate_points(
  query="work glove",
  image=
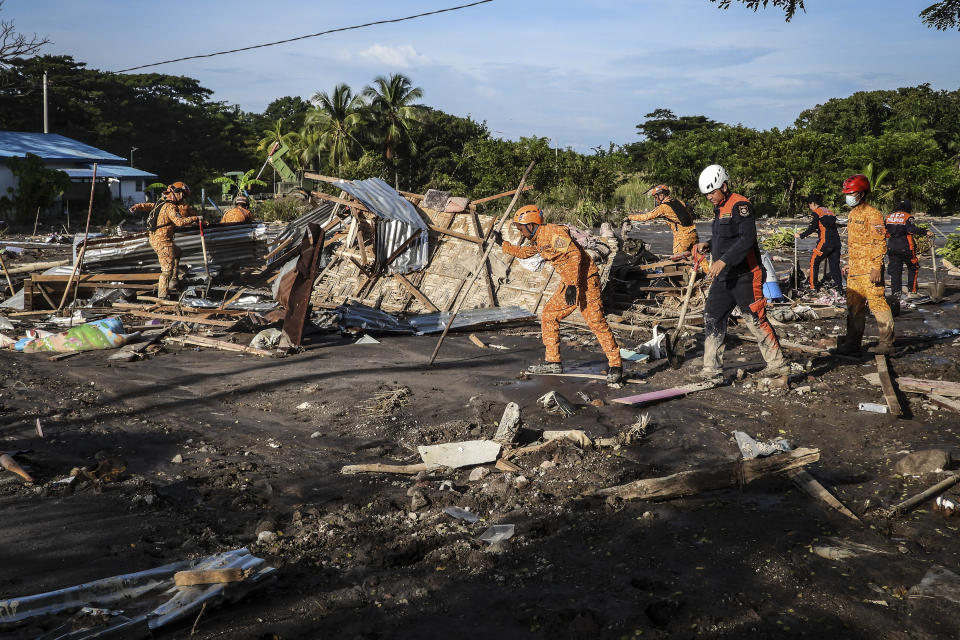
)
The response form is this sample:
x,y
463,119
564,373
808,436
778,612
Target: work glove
x,y
570,295
496,236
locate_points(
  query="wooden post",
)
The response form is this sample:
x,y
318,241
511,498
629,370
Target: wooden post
x,y
83,249
476,271
7,274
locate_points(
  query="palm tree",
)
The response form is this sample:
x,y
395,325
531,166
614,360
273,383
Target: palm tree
x,y
241,183
877,177
332,125
393,112
277,134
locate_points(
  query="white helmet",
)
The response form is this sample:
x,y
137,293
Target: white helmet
x,y
712,178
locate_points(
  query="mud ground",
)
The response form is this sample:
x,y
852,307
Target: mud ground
x,y
374,556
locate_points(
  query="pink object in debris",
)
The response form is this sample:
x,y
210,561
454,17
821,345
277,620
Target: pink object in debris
x,y
665,394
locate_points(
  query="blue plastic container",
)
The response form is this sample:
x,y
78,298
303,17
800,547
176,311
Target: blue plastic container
x,y
771,290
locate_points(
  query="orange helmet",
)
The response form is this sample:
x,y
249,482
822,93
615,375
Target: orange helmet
x,y
657,190
529,214
179,186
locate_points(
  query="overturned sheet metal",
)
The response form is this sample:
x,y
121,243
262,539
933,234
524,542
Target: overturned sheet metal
x,y
228,247
352,315
134,604
294,230
397,221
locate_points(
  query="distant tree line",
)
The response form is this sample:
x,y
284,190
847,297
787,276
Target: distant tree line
x,y
907,139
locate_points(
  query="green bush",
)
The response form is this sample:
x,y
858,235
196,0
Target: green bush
x,y
280,209
951,250
779,239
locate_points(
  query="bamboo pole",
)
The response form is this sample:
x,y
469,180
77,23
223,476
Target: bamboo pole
x,y
83,249
483,258
7,273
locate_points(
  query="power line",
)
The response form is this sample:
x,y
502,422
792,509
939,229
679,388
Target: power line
x,y
312,35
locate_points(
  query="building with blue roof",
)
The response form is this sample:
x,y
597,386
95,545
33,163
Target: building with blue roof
x,y
76,160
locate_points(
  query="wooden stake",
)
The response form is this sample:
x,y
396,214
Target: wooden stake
x,y
377,467
886,383
479,267
7,273
803,479
86,233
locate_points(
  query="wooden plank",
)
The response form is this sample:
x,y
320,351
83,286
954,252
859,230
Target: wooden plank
x,y
207,576
222,345
886,383
404,469
803,479
455,234
46,296
487,279
721,476
665,394
173,318
99,277
919,385
505,194
278,249
944,403
36,266
416,292
663,263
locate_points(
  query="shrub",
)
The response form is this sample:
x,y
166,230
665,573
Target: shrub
x,y
779,239
280,209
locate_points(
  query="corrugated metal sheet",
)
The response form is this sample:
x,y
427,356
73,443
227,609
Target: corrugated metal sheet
x,y
435,322
51,146
398,220
228,247
109,171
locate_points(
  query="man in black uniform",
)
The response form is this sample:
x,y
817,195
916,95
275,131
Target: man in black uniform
x,y
824,223
901,249
738,278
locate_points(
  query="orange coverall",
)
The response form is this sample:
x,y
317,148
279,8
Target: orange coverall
x,y
553,243
237,214
867,245
680,221
169,217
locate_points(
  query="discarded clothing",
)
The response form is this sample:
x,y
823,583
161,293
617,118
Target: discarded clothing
x,y
99,334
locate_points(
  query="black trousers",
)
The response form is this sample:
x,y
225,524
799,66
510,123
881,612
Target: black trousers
x,y
830,255
897,260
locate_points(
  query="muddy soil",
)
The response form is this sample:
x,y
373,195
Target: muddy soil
x,y
220,446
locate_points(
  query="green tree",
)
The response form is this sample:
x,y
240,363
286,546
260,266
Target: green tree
x,y
944,15
242,183
336,121
393,111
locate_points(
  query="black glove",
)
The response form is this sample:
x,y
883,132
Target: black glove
x,y
496,236
570,295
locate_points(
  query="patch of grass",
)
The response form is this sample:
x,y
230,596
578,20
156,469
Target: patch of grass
x,y
779,239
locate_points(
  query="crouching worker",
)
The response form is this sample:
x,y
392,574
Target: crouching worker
x,y
240,211
737,279
580,288
677,216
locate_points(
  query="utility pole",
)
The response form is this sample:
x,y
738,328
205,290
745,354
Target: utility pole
x,y
46,120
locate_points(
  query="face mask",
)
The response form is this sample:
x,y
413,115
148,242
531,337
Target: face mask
x,y
852,199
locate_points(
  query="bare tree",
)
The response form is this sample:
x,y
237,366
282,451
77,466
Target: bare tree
x,y
17,45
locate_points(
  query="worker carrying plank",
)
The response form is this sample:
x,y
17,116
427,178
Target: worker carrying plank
x,y
901,249
580,288
162,224
866,244
824,224
738,277
240,211
677,216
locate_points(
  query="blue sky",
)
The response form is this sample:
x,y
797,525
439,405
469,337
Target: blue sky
x,y
583,72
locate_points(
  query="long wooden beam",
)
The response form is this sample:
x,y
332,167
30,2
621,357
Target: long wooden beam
x,y
188,319
721,476
505,194
424,300
456,234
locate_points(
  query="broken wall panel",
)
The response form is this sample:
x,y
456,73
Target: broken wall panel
x,y
451,263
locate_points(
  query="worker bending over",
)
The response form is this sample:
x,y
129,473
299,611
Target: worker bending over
x,y
824,223
901,249
174,213
580,288
738,278
866,244
677,216
240,211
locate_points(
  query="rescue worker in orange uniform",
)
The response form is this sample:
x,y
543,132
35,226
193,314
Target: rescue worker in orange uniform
x,y
240,211
580,288
174,213
738,278
866,244
824,223
677,216
901,249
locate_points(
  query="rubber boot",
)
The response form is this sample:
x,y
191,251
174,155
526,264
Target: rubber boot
x,y
894,303
884,333
162,285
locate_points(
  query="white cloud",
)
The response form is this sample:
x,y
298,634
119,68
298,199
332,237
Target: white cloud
x,y
403,56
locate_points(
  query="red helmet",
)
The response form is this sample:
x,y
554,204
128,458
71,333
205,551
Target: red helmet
x,y
856,184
